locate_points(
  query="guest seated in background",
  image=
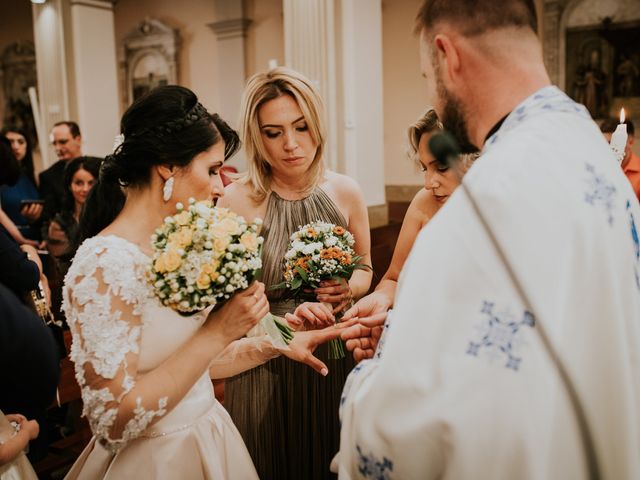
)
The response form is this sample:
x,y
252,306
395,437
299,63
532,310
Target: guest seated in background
x,y
80,176
15,433
10,174
631,161
67,142
20,266
21,202
439,184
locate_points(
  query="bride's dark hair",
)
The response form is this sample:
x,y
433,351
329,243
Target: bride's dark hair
x,y
167,126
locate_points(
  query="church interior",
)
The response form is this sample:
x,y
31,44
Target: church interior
x,y
88,60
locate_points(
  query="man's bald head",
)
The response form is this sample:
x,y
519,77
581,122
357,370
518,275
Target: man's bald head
x,y
475,17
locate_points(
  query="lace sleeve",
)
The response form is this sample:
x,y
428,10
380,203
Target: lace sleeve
x,y
103,297
242,355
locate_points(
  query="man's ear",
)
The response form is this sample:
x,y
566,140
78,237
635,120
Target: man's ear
x,y
448,58
165,171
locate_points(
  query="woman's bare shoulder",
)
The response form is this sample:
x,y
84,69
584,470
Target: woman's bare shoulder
x,y
424,205
238,197
343,186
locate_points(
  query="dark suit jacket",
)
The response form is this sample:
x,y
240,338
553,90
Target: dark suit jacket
x,y
29,359
52,191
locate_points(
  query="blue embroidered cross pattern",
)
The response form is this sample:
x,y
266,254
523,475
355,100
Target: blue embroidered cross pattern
x,y
601,192
372,468
498,335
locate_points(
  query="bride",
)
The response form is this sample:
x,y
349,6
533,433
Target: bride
x,y
145,371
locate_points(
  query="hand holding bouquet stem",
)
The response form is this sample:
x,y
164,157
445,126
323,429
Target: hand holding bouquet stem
x,y
321,257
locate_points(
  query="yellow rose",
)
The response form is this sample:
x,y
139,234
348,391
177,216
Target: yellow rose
x,y
172,260
216,230
159,265
185,237
183,218
250,241
207,268
203,281
220,245
230,226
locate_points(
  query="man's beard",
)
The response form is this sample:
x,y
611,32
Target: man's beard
x,y
453,119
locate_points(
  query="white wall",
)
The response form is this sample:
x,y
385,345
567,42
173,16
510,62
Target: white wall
x,y
404,88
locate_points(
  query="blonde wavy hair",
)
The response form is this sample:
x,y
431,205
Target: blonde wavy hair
x,y
261,88
427,123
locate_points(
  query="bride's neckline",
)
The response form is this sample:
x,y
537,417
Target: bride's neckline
x,y
124,240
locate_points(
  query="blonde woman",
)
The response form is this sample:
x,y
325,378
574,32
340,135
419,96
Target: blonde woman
x,y
288,415
439,184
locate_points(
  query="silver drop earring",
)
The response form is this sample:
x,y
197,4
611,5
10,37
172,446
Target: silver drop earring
x,y
167,190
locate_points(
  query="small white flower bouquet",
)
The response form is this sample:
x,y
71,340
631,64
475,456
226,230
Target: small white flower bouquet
x,y
319,251
203,255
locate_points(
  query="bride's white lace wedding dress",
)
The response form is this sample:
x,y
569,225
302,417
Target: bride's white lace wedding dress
x,y
120,331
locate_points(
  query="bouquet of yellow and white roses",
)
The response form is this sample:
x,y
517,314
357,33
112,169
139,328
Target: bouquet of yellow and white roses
x,y
203,255
319,251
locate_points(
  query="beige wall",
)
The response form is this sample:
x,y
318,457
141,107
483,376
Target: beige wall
x,y
404,94
197,67
265,38
16,25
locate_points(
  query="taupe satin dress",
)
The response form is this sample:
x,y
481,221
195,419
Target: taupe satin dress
x,y
287,413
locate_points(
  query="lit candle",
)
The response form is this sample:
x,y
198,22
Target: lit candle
x,y
619,138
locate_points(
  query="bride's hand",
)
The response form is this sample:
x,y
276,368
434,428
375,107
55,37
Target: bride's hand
x,y
303,345
240,314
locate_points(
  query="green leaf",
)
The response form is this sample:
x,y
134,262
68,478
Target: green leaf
x,y
296,283
302,273
277,286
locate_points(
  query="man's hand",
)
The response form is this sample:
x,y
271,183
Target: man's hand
x,y
373,304
362,337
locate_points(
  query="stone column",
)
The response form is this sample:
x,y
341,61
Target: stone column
x,y
231,32
309,47
551,24
77,70
338,44
51,66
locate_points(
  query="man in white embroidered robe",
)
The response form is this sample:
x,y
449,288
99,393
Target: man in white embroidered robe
x,y
463,387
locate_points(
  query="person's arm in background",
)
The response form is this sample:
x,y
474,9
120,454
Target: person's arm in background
x,y
11,228
17,271
382,298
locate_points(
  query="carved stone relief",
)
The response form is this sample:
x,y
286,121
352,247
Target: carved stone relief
x,y
150,58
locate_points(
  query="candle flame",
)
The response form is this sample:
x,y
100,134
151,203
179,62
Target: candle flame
x,y
622,115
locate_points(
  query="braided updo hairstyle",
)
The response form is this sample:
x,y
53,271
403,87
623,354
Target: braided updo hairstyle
x,y
167,126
